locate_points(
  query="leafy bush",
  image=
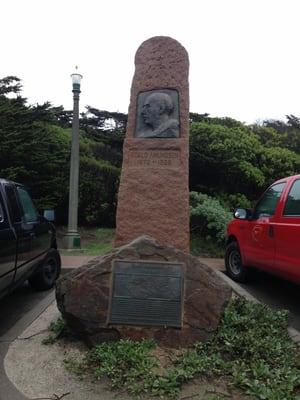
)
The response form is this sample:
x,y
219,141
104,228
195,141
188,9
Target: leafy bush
x,y
231,201
202,247
208,217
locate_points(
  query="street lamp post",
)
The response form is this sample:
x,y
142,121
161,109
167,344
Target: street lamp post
x,y
72,238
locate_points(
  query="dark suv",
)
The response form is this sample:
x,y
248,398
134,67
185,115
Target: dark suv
x,y
28,248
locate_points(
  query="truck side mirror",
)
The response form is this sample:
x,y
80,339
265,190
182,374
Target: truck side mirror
x,y
49,215
240,213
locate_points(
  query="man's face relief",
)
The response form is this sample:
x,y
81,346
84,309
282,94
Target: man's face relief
x,y
151,111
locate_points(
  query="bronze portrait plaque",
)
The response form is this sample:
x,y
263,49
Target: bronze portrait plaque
x,y
157,114
146,293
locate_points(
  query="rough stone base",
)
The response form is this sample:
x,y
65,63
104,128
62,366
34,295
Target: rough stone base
x,y
83,297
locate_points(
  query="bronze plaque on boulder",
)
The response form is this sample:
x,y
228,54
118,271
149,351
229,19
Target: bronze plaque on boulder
x,y
146,293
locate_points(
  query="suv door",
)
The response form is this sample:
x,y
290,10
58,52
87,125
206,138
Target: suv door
x,y
259,246
8,249
41,232
287,235
24,233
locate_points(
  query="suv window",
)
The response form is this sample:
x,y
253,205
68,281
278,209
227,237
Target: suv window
x,y
3,219
1,213
267,204
13,205
292,206
30,213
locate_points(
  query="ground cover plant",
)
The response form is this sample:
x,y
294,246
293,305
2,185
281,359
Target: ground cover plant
x,y
251,349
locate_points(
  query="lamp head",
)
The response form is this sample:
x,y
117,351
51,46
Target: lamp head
x,y
76,80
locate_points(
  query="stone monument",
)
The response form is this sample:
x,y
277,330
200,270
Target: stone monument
x,y
154,195
150,286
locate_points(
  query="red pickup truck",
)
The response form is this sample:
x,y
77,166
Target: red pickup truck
x,y
267,237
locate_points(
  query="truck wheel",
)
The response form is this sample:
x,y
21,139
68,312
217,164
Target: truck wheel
x,y
233,262
47,273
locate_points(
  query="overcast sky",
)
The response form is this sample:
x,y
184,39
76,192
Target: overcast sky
x,y
244,54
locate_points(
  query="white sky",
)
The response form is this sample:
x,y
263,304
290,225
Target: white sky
x,y
244,54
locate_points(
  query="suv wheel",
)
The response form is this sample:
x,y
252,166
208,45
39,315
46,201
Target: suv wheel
x,y
47,273
233,262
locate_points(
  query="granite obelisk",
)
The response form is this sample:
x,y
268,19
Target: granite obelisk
x,y
153,196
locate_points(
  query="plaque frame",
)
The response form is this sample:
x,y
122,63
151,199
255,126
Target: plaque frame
x,y
155,264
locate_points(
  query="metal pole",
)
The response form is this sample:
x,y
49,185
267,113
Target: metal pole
x,y
73,237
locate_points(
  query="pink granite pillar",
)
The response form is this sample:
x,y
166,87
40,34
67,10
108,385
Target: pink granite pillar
x,y
153,196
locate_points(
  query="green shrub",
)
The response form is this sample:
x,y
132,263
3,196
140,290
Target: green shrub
x,y
208,217
203,247
231,201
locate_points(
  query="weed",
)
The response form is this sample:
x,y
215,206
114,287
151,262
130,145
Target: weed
x,y
216,397
259,356
58,328
128,364
78,368
50,339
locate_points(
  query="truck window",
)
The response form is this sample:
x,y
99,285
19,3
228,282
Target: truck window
x,y
267,204
30,213
292,205
13,205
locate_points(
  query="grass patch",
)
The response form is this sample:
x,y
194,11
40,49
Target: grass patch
x,y
98,241
94,241
204,247
251,348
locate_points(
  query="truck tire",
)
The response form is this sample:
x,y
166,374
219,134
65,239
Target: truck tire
x,y
233,262
47,273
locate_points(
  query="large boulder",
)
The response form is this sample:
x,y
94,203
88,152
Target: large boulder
x,y
83,297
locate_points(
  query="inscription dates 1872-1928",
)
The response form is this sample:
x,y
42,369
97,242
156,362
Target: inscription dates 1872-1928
x,y
146,293
153,159
157,114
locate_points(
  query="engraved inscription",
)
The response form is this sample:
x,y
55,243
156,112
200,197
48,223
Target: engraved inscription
x,y
157,114
153,159
146,293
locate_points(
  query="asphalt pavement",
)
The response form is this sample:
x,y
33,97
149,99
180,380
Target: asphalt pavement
x,y
268,289
21,308
277,293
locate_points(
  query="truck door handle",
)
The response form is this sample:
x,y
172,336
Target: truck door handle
x,y
271,231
